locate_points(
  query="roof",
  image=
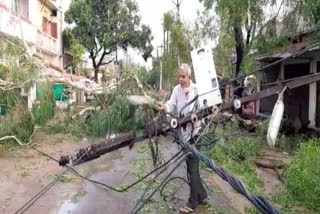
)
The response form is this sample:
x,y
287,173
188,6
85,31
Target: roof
x,y
295,51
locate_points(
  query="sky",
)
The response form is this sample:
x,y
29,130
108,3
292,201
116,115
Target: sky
x,y
151,12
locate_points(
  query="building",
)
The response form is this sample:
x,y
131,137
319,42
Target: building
x,y
302,103
298,56
38,22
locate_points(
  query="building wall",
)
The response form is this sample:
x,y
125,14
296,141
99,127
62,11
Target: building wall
x,y
318,99
45,42
270,75
302,102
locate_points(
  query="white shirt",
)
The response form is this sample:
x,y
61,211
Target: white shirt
x,y
179,99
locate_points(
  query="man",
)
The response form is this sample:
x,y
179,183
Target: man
x,y
181,95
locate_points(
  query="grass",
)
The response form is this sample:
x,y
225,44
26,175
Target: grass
x,y
303,175
80,193
237,154
141,166
301,192
118,117
17,123
44,110
64,178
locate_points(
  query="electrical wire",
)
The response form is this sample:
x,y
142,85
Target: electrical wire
x,y
36,197
260,203
137,208
166,183
175,156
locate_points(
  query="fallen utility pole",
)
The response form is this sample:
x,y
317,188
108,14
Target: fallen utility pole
x,y
129,139
297,82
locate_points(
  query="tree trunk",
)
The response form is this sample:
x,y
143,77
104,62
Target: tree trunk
x,y
238,36
96,72
164,42
95,67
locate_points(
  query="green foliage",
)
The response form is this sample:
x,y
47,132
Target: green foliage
x,y
77,51
177,48
238,22
222,55
17,123
248,64
45,108
9,99
19,73
203,29
237,154
252,210
64,178
270,44
285,200
15,68
101,26
79,194
119,117
309,9
303,175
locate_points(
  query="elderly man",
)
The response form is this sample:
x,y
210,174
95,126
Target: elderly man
x,y
181,95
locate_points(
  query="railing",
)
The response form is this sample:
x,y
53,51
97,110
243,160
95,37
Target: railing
x,y
10,26
46,42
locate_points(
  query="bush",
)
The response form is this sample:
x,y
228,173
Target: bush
x,y
303,175
119,117
18,123
44,110
237,154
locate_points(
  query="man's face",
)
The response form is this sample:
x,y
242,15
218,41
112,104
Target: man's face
x,y
184,79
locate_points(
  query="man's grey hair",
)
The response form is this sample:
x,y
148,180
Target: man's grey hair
x,y
186,68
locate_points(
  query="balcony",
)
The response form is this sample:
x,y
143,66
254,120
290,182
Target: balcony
x,y
47,43
52,4
10,26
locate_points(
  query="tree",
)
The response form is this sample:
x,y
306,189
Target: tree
x,y
309,9
177,48
203,29
101,26
242,18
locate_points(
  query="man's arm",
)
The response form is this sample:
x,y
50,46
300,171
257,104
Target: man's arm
x,y
168,106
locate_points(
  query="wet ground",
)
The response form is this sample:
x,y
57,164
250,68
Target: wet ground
x,y
26,172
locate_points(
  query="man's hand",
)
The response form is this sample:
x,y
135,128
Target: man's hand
x,y
160,107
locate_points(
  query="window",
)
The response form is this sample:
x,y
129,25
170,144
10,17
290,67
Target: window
x,y
21,7
49,27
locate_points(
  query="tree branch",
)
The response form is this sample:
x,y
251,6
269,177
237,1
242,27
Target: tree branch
x,y
249,31
253,34
105,52
102,57
93,58
106,63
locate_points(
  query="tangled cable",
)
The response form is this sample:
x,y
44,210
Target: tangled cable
x,y
259,202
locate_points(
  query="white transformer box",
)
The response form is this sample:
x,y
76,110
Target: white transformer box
x,y
206,77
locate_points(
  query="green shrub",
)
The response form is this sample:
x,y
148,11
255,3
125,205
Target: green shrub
x,y
236,154
17,123
119,117
303,175
44,110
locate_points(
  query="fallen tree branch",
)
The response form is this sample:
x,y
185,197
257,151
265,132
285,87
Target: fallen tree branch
x,y
16,139
142,100
85,110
